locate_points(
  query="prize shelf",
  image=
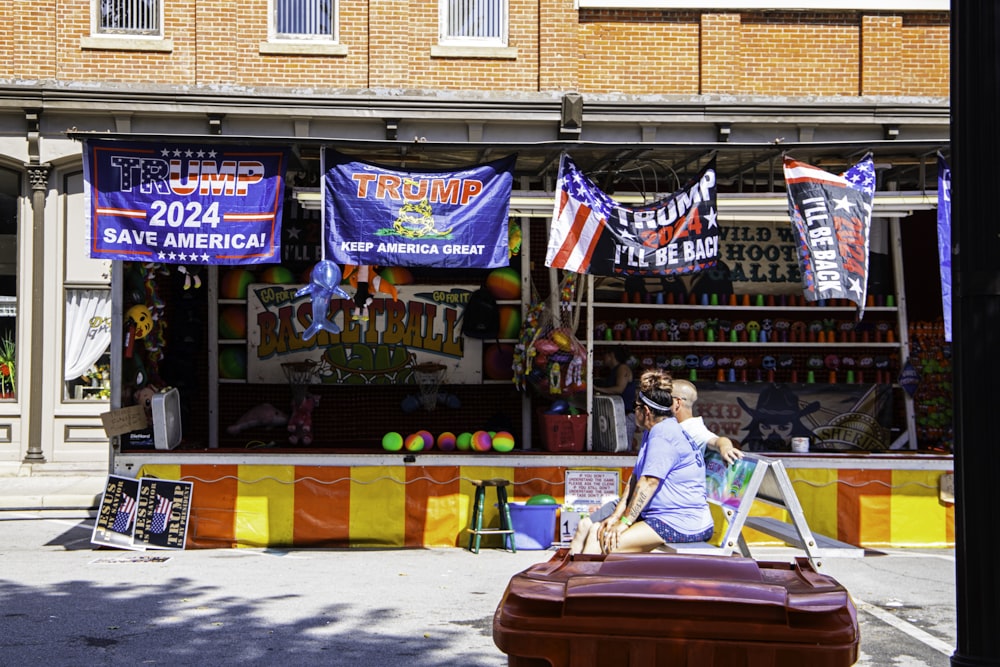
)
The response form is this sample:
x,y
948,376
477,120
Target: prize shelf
x,y
230,341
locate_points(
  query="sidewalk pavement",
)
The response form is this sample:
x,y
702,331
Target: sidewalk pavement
x,y
72,490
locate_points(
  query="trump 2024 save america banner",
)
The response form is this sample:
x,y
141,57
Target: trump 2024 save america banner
x,y
446,219
180,203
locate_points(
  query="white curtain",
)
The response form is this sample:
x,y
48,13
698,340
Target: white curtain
x,y
88,328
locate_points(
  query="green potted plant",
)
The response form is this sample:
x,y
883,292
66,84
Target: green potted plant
x,y
8,359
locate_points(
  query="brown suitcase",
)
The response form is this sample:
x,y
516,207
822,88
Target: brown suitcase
x,y
675,609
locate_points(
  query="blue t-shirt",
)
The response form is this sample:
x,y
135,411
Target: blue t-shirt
x,y
673,457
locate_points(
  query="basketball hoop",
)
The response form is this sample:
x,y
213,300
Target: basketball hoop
x,y
428,376
300,375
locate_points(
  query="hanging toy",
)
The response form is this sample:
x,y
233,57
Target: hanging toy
x,y
365,281
191,277
138,324
324,284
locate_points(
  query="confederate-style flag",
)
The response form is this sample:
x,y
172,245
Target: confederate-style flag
x,y
832,215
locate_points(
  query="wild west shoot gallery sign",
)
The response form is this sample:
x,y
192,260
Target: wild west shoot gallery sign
x,y
181,203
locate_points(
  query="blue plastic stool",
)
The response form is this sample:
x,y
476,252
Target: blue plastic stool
x,y
476,530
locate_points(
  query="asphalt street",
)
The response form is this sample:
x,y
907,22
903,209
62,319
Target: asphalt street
x,y
66,603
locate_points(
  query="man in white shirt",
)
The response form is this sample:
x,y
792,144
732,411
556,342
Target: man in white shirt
x,y
685,395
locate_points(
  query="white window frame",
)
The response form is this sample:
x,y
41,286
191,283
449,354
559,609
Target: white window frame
x,y
445,39
130,34
125,41
302,44
754,5
274,36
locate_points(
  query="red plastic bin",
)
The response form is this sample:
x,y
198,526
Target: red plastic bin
x,y
653,609
563,433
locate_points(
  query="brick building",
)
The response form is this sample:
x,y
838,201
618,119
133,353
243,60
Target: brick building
x,y
641,85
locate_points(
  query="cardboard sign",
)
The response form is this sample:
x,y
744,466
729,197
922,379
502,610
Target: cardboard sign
x,y
162,518
124,420
116,517
587,492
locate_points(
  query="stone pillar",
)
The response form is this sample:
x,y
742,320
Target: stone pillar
x,y
38,176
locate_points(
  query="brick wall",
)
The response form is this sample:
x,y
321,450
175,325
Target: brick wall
x,y
559,48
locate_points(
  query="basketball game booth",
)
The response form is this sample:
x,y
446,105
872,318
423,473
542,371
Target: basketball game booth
x,y
313,399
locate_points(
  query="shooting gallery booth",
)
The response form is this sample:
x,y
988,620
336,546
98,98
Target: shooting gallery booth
x,y
304,303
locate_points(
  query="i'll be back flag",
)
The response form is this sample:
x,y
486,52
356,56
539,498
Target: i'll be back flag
x,y
592,233
832,215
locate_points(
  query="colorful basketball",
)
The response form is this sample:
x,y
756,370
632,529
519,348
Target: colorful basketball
x,y
392,442
277,275
234,284
510,322
503,441
504,283
396,275
414,442
428,439
481,441
233,363
498,362
233,322
446,442
463,442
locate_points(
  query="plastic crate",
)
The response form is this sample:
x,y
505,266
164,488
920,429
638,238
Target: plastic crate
x,y
563,433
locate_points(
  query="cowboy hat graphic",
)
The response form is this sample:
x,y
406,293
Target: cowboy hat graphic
x,y
776,419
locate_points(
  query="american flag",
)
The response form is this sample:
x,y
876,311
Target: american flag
x,y
832,215
579,219
161,515
124,516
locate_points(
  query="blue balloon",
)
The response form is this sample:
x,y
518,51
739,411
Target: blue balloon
x,y
323,285
558,407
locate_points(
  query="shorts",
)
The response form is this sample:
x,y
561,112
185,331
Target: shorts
x,y
669,535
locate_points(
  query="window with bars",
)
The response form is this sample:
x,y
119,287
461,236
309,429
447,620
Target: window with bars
x,y
130,17
304,19
473,22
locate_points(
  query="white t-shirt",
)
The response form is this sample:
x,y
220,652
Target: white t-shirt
x,y
695,427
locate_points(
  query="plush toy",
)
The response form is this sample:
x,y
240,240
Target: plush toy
x,y
263,415
300,423
192,277
365,281
144,396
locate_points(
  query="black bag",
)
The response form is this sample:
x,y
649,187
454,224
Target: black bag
x,y
481,317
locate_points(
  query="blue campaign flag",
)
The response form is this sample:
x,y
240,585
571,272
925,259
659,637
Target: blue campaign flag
x,y
375,215
944,241
183,203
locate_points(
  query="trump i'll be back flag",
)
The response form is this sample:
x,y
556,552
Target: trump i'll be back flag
x,y
592,233
832,215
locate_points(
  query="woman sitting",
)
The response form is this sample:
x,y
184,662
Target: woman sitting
x,y
666,499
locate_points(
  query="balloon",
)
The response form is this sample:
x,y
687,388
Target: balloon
x,y
324,284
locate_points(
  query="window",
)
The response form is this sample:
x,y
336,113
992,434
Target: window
x,y
305,19
130,17
10,191
473,22
86,320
